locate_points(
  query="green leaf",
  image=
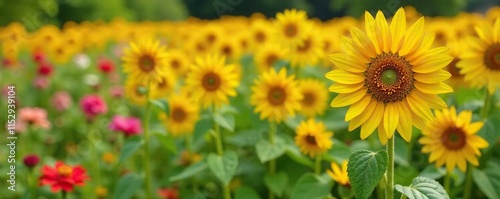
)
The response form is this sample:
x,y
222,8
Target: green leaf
x,y
365,169
293,152
484,183
167,141
432,172
160,104
311,187
127,186
189,171
422,187
245,193
225,120
129,147
276,183
223,167
267,151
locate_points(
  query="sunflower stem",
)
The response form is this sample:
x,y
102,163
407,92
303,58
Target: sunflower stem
x,y
272,163
317,165
147,167
389,186
468,182
447,179
64,194
220,151
487,105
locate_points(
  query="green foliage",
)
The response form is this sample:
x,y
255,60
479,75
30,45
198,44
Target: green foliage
x,y
267,151
129,147
127,185
484,183
190,171
223,167
365,169
423,187
276,183
311,186
245,193
167,141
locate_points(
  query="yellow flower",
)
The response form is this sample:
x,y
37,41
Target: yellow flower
x,y
136,91
457,79
165,87
108,157
312,138
101,192
390,77
268,55
211,81
178,62
307,53
315,97
291,27
182,117
230,48
276,95
339,174
480,63
145,61
260,33
452,139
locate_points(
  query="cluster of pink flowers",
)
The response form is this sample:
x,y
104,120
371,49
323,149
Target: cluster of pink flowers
x,y
126,125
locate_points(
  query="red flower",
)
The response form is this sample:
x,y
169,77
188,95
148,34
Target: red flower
x,y
38,56
45,68
106,65
63,177
31,160
93,105
168,193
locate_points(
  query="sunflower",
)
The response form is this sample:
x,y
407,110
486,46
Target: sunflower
x,y
339,174
307,53
145,61
230,48
136,91
456,79
312,138
389,76
315,97
60,52
182,117
212,81
452,139
276,95
291,27
480,63
260,33
268,55
165,87
178,62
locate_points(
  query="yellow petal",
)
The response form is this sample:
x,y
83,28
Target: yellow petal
x,y
347,62
413,37
364,42
345,99
357,108
433,77
382,135
345,77
473,128
434,101
419,107
345,88
352,49
383,29
398,28
405,122
360,119
391,119
496,30
370,28
369,126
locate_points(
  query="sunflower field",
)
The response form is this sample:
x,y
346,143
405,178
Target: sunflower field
x,y
393,104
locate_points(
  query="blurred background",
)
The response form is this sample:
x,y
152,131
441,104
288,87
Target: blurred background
x,y
35,13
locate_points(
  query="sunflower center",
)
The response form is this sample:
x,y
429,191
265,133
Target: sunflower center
x,y
311,140
309,99
146,63
140,90
178,114
175,64
211,38
163,83
305,46
226,50
260,37
59,51
276,96
291,30
389,78
211,81
64,170
453,138
492,57
452,68
271,59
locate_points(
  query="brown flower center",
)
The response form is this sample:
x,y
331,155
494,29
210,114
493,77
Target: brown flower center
x,y
211,38
389,78
452,68
227,50
453,138
305,46
178,114
270,59
291,30
175,64
309,99
492,57
146,63
211,81
163,83
260,37
276,96
311,140
64,170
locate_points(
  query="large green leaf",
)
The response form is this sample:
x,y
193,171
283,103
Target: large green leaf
x,y
127,186
161,104
422,187
267,151
189,171
245,193
311,187
225,120
129,147
223,167
276,183
484,183
294,153
167,141
365,169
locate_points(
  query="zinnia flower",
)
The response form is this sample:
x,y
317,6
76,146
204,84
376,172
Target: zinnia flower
x,y
168,193
93,105
36,117
105,65
61,101
31,160
127,125
63,177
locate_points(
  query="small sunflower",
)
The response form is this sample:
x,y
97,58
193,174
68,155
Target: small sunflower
x,y
136,91
307,53
275,95
451,139
315,96
260,33
480,63
182,117
456,80
313,138
178,62
230,48
212,81
339,174
390,77
268,55
291,27
145,61
165,87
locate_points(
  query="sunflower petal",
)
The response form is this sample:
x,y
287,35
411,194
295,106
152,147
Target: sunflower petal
x,y
357,108
382,135
413,37
345,77
433,77
398,28
371,32
437,88
419,107
345,99
347,62
391,119
369,126
405,122
383,29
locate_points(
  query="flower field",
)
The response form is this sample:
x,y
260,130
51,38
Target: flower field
x,y
390,105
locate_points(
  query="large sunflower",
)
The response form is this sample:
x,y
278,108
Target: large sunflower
x,y
480,63
389,76
313,138
268,55
291,27
451,139
182,117
145,61
276,95
315,97
211,81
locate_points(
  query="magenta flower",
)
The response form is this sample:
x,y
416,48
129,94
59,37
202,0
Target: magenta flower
x,y
127,125
31,160
93,105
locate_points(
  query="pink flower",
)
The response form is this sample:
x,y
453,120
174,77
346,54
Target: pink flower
x,y
31,160
36,117
41,82
61,100
127,125
116,91
93,105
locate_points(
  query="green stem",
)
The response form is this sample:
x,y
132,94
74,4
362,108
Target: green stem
x,y
64,194
317,165
272,163
95,163
147,167
389,186
447,179
468,182
487,105
189,147
220,152
31,184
